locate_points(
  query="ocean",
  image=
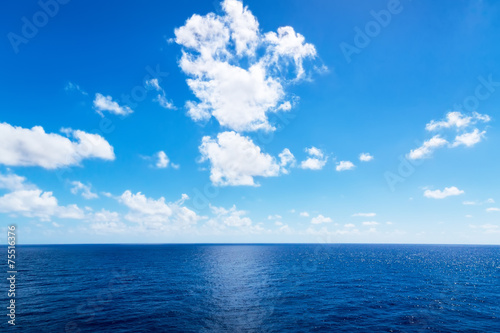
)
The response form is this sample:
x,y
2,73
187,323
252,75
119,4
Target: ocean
x,y
255,288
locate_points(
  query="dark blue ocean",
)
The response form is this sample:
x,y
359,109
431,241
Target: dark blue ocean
x,y
255,288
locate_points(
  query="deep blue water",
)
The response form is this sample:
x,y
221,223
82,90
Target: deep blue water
x,y
256,288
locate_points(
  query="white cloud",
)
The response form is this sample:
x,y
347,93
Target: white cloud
x,y
492,209
33,147
157,214
454,120
490,200
349,225
70,86
344,165
162,160
286,159
304,214
321,219
230,217
469,203
236,160
457,120
365,214
234,82
79,187
161,97
315,161
427,148
365,157
370,223
29,201
438,194
105,103
469,139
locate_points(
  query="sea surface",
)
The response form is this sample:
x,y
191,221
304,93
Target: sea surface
x,y
255,288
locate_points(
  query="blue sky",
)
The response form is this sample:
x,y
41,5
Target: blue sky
x,y
200,121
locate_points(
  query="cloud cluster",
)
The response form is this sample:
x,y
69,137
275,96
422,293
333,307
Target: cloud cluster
x,y
237,72
34,147
28,200
316,159
457,121
157,214
85,190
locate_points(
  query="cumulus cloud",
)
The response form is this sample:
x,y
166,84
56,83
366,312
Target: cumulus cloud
x,y
457,120
34,147
427,148
469,139
30,201
161,96
236,160
321,219
162,160
344,165
315,161
85,190
237,73
157,214
106,104
365,157
438,194
230,217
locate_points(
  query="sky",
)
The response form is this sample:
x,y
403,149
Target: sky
x,y
250,122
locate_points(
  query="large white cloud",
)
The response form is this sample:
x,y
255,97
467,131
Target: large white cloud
x,y
29,201
236,160
438,194
34,147
238,73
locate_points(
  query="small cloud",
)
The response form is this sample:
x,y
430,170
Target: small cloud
x,y
365,214
370,223
321,219
344,165
79,187
72,87
468,216
161,97
492,209
105,103
162,160
304,214
427,148
349,225
438,194
365,157
315,161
